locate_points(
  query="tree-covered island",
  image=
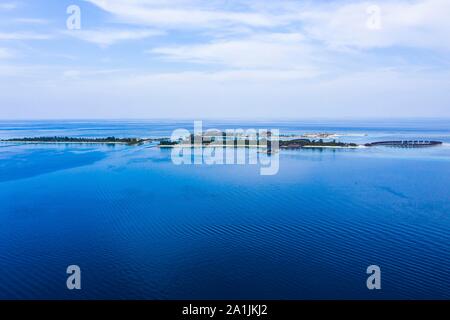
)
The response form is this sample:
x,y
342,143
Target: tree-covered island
x,y
107,140
305,143
252,142
220,140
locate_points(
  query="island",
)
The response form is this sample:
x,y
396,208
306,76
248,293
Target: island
x,y
320,135
77,140
221,140
405,143
307,143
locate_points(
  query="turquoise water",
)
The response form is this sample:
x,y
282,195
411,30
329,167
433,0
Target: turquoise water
x,y
141,227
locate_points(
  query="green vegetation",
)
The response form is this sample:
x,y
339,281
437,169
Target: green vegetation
x,y
167,143
300,143
206,141
130,141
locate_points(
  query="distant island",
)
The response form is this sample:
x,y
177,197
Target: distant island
x,y
320,135
307,143
107,140
219,140
405,143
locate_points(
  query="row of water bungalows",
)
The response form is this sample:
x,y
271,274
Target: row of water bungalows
x,y
405,143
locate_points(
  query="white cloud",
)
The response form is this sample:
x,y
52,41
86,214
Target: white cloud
x,y
420,24
181,13
338,24
24,36
271,51
6,53
8,6
237,93
77,74
32,21
107,37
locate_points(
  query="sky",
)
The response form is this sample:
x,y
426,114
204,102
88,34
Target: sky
x,y
242,59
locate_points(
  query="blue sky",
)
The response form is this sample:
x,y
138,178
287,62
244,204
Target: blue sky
x,y
225,59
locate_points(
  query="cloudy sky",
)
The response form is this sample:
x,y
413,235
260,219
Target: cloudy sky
x,y
252,59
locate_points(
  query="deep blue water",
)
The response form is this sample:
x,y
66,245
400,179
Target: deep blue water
x,y
141,227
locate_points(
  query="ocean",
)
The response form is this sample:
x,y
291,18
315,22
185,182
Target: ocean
x,y
141,227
